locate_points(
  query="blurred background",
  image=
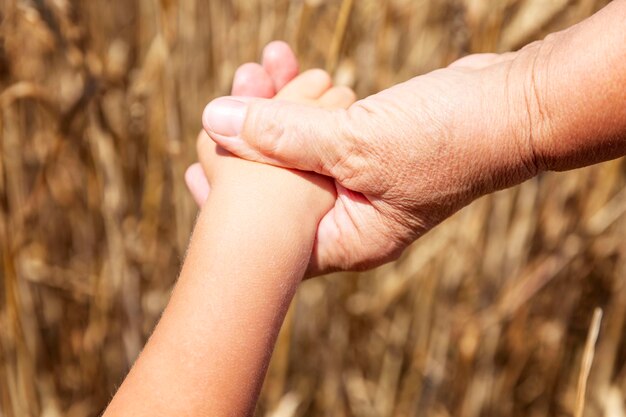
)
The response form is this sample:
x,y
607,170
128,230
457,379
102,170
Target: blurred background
x,y
100,103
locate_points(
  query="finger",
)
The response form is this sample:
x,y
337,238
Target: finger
x,y
339,97
286,134
310,85
197,183
252,80
280,63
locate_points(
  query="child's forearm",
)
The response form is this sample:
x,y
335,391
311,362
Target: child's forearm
x,y
209,353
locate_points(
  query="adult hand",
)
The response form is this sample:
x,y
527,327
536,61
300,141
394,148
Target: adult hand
x,y
407,158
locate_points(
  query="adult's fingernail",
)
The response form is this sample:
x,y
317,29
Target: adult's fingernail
x,y
225,116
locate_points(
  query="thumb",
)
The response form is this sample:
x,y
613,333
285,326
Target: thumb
x,y
283,133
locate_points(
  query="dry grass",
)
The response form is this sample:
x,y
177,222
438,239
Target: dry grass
x,y
100,102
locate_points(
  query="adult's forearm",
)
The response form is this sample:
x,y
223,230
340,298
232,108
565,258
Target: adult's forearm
x,y
209,353
576,93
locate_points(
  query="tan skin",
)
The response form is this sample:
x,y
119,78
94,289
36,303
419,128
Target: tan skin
x,y
250,248
209,353
405,159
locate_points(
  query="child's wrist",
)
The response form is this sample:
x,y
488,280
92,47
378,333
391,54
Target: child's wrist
x,y
290,207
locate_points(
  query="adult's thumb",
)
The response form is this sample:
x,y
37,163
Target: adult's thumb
x,y
282,133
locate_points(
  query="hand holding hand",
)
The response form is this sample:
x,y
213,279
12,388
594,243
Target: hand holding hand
x,y
405,159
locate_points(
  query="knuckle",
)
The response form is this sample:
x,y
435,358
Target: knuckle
x,y
320,75
269,138
348,94
350,163
365,157
264,130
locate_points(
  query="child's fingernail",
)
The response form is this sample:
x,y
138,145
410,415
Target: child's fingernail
x,y
224,116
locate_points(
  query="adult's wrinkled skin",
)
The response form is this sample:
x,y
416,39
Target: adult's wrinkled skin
x,y
408,157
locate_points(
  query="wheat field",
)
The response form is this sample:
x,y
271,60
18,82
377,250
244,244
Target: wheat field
x,y
491,314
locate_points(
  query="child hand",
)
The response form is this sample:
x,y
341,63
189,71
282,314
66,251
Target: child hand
x,y
293,196
251,246
278,67
252,80
309,195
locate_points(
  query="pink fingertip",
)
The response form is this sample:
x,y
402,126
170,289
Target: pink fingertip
x,y
252,80
280,63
